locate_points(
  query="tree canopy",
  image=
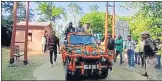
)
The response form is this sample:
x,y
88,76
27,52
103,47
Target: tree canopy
x,y
97,21
50,11
148,18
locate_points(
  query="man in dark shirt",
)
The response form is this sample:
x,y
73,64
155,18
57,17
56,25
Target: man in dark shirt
x,y
150,58
70,28
53,42
111,45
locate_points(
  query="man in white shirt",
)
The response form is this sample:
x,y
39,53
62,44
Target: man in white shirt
x,y
130,46
80,28
44,42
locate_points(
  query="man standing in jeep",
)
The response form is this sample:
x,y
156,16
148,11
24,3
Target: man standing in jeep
x,y
150,57
69,29
80,28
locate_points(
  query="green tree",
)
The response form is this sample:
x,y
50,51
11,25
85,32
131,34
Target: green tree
x,y
50,11
148,18
7,7
97,21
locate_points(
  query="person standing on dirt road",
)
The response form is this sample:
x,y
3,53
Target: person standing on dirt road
x,y
149,51
130,46
53,42
119,49
137,56
111,45
44,42
158,54
141,50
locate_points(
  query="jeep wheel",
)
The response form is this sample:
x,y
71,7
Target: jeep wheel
x,y
67,75
104,73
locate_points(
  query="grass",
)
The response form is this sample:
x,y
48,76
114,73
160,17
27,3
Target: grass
x,y
20,72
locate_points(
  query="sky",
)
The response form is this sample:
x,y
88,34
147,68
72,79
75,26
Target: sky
x,y
85,6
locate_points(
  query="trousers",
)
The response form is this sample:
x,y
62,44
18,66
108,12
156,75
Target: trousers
x,y
121,56
137,58
130,57
44,46
51,52
150,68
158,57
142,58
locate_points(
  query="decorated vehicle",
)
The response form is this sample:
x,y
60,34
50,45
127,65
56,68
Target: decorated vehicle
x,y
82,57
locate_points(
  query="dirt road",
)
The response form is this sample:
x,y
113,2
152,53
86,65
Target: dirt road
x,y
119,72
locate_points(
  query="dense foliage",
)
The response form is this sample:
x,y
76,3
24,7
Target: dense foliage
x,y
148,18
97,21
50,11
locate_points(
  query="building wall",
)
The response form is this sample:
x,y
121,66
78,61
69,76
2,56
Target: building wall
x,y
36,43
20,37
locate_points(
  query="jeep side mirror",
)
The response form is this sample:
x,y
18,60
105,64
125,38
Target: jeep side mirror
x,y
65,42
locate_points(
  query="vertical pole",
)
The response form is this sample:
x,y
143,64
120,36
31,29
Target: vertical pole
x,y
26,34
12,47
106,26
113,22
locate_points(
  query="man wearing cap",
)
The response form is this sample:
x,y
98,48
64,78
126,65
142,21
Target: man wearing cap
x,y
150,57
80,28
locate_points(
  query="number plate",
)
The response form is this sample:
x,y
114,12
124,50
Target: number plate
x,y
86,67
90,67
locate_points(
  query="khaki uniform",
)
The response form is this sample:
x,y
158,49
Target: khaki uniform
x,y
150,68
150,59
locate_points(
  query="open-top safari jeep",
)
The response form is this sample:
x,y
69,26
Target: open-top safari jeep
x,y
81,56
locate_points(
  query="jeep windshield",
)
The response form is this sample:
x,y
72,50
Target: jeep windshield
x,y
82,40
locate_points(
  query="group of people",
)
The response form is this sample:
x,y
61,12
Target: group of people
x,y
145,51
52,42
80,28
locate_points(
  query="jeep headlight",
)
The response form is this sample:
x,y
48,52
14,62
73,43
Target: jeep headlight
x,y
76,60
103,59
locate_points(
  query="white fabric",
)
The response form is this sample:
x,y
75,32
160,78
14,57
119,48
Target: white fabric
x,y
131,45
43,47
43,40
80,29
